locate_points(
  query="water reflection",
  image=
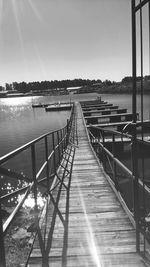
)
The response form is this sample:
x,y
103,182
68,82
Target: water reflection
x,y
16,101
20,123
30,201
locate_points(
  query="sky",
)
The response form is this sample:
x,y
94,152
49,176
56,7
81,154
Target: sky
x,y
64,39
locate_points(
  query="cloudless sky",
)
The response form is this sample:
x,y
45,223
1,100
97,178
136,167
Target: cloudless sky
x,y
64,39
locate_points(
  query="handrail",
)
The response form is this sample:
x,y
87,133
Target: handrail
x,y
121,133
106,151
120,164
59,141
24,147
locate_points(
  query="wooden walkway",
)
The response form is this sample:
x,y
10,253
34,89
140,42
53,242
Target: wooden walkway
x,y
90,227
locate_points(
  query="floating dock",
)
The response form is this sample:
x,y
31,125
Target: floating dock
x,y
56,104
59,107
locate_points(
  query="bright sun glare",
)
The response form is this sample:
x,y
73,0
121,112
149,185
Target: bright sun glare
x,y
90,235
17,8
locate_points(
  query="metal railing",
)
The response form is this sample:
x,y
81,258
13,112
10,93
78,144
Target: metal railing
x,y
52,146
115,150
139,25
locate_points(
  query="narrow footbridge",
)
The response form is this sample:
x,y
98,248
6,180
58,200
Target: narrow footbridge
x,y
84,223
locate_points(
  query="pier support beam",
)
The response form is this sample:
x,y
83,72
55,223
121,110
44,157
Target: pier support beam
x,y
134,142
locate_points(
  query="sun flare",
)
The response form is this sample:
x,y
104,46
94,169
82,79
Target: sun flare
x,y
35,11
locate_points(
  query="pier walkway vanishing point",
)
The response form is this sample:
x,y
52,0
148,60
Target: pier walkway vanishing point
x,y
83,223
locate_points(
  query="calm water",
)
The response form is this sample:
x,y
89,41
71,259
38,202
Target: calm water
x,y
125,101
20,123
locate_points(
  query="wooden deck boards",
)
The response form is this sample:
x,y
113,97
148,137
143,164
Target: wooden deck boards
x,y
96,231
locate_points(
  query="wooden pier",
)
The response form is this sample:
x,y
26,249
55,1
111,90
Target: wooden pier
x,y
85,224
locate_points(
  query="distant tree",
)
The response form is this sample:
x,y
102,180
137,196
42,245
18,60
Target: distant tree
x,y
15,86
8,87
107,82
127,79
147,78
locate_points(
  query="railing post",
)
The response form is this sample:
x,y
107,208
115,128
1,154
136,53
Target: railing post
x,y
62,147
34,173
99,148
58,140
67,138
76,131
2,248
103,154
64,139
134,142
114,163
47,166
53,141
65,131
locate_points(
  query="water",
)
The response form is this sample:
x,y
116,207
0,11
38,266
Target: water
x,y
20,123
125,101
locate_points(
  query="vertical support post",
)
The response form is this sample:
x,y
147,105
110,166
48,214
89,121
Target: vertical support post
x,y
47,166
34,173
64,139
114,163
53,141
134,61
62,148
134,141
99,150
76,131
2,248
149,32
67,138
65,133
58,145
103,155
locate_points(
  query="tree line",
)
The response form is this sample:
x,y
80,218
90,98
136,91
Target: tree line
x,y
55,86
24,87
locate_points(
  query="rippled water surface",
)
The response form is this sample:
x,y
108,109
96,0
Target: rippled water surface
x,y
20,123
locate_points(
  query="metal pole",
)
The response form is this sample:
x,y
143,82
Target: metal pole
x,y
134,61
58,145
2,248
149,33
134,142
103,154
47,166
53,141
114,163
34,173
67,138
65,141
62,147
